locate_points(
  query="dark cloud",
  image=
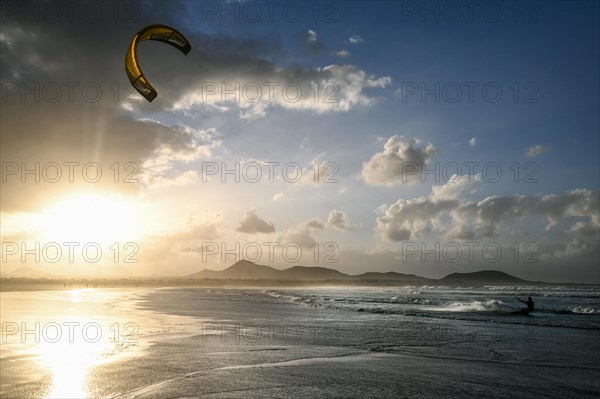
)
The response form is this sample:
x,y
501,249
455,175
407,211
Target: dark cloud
x,y
62,91
64,86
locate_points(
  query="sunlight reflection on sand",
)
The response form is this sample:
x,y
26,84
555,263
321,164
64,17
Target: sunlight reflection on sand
x,y
67,333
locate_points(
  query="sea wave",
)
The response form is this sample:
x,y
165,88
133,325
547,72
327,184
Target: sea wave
x,y
491,305
452,304
581,310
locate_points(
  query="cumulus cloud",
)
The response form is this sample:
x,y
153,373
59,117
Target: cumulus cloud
x,y
310,42
456,187
584,239
168,246
487,217
241,75
278,196
160,170
409,219
198,227
355,39
536,150
473,141
339,220
252,223
302,234
180,180
320,171
312,45
401,161
263,85
315,224
449,214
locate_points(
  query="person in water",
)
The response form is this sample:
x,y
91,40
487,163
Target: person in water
x,y
529,303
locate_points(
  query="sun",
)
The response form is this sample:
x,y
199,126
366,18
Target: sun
x,y
92,218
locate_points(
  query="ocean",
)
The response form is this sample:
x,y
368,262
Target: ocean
x,y
559,306
301,342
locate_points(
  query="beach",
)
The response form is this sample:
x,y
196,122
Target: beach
x,y
309,342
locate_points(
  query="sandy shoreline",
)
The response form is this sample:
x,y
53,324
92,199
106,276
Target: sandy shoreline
x,y
229,343
252,347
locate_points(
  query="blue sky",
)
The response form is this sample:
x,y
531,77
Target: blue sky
x,y
556,53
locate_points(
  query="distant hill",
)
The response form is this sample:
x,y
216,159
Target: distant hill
x,y
246,270
312,273
481,278
242,270
27,272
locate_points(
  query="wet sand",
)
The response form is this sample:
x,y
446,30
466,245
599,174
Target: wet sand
x,y
249,346
232,343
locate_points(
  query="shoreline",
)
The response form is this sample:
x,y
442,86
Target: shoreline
x,y
245,352
244,343
30,284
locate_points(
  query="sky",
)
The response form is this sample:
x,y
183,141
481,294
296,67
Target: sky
x,y
416,137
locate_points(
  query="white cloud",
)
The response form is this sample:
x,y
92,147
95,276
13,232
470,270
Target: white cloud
x,y
278,196
342,53
340,89
201,226
315,224
355,39
302,234
183,179
473,141
311,36
400,162
456,187
339,220
186,145
251,224
449,214
536,150
320,171
408,219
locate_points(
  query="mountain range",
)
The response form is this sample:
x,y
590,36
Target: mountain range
x,y
249,271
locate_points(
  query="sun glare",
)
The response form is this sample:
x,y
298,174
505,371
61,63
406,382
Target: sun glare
x,y
92,218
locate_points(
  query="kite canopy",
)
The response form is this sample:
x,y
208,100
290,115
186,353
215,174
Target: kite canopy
x,y
161,33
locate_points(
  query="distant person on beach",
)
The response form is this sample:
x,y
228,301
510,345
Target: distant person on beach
x,y
529,303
